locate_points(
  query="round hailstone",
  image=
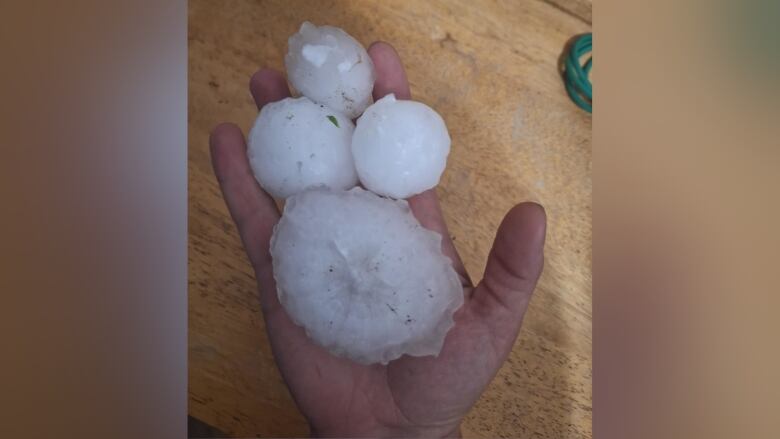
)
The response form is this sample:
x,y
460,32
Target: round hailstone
x,y
287,157
329,66
400,147
362,276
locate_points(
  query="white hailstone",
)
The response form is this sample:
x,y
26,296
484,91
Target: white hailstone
x,y
400,147
362,276
296,144
330,67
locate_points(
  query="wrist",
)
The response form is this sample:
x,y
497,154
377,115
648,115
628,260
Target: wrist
x,y
387,432
456,433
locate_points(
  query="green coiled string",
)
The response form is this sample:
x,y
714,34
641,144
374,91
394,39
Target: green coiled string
x,y
576,75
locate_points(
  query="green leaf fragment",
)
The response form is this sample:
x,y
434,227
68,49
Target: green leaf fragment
x,y
333,120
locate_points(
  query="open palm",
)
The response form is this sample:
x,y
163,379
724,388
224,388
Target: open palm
x,y
411,396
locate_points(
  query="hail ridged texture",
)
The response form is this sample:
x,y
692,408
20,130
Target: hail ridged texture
x,y
296,144
330,67
362,276
400,147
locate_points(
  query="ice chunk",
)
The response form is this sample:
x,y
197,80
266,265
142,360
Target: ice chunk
x,y
362,276
315,54
296,144
330,67
400,147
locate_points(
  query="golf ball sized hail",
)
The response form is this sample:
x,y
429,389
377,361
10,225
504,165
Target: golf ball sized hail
x,y
296,144
362,276
330,67
400,147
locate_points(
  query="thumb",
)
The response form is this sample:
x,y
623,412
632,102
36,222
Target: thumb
x,y
513,267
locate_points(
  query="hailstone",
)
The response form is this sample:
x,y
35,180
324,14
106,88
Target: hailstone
x,y
400,147
296,144
330,67
362,276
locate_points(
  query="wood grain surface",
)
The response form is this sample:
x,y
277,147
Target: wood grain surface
x,y
490,69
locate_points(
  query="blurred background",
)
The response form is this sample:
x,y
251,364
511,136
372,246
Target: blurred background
x,y
685,227
93,183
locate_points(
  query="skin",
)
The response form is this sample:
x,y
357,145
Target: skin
x,y
411,396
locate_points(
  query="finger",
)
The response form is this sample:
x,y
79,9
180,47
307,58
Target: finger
x,y
514,265
427,210
255,215
390,74
268,85
252,209
391,78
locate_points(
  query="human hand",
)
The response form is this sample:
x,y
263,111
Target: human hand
x,y
411,396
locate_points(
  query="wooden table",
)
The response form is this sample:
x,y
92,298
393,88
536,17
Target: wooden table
x,y
490,69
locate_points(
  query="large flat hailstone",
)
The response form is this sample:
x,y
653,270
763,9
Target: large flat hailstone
x,y
330,67
362,276
296,144
400,147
